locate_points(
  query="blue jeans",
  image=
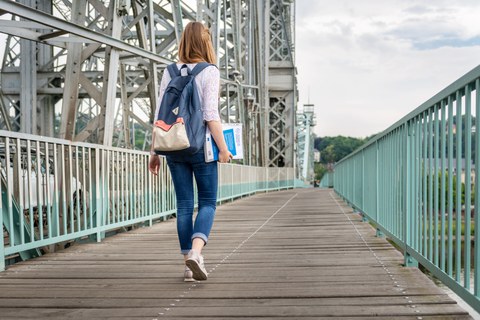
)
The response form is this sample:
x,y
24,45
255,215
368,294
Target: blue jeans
x,y
183,168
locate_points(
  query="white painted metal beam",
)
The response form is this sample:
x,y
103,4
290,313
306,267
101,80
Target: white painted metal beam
x,y
59,24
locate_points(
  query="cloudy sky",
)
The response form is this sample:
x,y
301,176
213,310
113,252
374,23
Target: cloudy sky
x,y
365,64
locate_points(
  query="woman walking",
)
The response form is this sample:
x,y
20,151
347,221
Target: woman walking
x,y
196,46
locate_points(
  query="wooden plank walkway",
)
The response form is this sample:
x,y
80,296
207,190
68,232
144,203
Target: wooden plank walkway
x,y
296,254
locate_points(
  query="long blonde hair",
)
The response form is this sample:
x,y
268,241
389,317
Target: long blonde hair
x,y
196,44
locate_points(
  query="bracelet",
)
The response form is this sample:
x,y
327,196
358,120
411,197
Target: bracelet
x,y
153,153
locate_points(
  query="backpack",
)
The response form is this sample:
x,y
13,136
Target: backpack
x,y
179,128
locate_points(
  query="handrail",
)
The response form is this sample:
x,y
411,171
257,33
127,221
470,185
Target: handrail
x,y
417,183
455,86
327,180
55,190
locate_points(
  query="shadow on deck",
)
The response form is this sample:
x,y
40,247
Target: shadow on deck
x,y
290,254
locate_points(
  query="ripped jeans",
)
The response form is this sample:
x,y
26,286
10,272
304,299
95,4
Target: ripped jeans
x,y
183,168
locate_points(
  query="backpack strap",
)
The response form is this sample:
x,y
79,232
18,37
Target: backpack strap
x,y
199,68
173,70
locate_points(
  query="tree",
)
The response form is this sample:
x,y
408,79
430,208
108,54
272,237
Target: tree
x,y
320,171
333,149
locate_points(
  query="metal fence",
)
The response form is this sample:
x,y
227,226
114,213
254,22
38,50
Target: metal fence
x,y
327,180
417,183
55,191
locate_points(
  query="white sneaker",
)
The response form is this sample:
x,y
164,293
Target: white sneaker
x,y
195,263
188,275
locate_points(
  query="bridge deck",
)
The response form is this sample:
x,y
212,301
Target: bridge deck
x,y
291,254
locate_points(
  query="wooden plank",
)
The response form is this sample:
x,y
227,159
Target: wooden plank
x,y
305,261
232,311
114,302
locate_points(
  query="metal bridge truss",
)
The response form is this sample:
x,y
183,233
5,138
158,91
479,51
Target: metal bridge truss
x,y
306,120
88,70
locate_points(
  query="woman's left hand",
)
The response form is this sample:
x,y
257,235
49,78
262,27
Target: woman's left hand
x,y
224,156
154,164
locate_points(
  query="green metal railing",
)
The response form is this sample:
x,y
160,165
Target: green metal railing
x,y
55,191
327,180
417,182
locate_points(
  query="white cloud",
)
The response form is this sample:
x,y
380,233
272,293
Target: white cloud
x,y
368,63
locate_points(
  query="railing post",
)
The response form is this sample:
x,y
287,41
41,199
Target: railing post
x,y
148,192
352,194
98,189
278,179
476,217
364,217
2,244
408,260
377,189
232,191
379,234
363,182
267,184
406,224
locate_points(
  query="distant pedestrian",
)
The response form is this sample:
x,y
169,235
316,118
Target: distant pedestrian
x,y
196,46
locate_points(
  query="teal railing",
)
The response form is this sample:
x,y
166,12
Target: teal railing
x,y
327,180
54,191
417,182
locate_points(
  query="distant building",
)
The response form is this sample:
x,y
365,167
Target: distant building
x,y
454,168
463,166
316,155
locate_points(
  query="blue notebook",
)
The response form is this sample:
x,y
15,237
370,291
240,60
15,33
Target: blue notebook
x,y
233,138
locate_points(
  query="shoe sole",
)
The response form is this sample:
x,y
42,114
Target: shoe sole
x,y
189,280
198,273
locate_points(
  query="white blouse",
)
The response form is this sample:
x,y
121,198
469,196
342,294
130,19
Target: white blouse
x,y
208,85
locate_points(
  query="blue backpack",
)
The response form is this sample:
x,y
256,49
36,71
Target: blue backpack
x,y
179,128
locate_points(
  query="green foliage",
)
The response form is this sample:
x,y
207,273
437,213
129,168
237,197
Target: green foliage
x,y
438,229
320,171
139,137
333,149
454,191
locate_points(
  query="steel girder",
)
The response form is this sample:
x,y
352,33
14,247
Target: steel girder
x,y
305,142
96,67
282,86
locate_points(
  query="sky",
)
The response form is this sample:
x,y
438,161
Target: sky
x,y
366,64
